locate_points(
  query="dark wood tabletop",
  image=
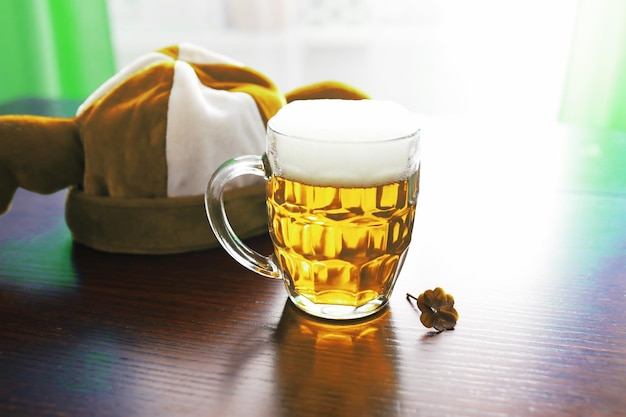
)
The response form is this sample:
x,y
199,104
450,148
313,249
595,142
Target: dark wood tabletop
x,y
524,226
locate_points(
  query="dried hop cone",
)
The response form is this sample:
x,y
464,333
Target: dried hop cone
x,y
437,309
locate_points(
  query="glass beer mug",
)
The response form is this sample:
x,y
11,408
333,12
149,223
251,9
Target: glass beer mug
x,y
342,180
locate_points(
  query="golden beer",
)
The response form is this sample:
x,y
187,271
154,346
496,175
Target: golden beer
x,y
342,181
341,245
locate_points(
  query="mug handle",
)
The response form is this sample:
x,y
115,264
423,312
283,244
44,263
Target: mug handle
x,y
216,213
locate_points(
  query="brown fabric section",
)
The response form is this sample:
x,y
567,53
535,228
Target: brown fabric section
x,y
123,135
326,89
160,225
243,79
40,154
171,51
228,77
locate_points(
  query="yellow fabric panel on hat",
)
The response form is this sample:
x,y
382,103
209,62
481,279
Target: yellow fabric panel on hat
x,y
123,135
328,90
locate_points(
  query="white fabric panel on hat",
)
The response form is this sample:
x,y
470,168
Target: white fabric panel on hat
x,y
205,128
198,55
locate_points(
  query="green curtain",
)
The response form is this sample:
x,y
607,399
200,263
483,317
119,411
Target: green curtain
x,y
595,86
58,49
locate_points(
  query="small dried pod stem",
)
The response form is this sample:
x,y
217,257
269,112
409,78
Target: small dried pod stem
x,y
437,309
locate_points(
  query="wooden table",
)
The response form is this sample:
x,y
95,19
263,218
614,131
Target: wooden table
x,y
525,226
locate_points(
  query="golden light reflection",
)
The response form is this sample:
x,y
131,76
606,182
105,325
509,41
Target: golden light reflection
x,y
351,366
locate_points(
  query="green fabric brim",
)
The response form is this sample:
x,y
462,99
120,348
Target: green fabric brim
x,y
160,225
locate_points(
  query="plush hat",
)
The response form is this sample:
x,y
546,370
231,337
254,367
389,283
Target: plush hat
x,y
139,152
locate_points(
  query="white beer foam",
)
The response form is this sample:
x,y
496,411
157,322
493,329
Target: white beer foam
x,y
344,142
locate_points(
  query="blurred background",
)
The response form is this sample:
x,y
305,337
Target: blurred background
x,y
546,60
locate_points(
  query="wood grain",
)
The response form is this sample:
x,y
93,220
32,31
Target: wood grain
x,y
539,278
